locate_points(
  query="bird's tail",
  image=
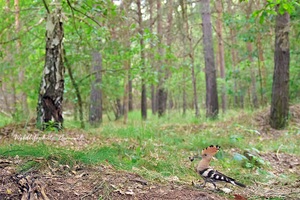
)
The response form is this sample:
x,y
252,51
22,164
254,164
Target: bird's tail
x,y
237,183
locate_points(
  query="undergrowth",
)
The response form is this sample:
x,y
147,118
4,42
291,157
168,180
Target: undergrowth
x,y
159,148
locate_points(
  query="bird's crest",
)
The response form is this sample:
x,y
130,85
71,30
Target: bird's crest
x,y
211,150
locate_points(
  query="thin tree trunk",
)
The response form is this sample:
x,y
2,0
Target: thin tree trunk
x,y
220,56
253,76
169,51
52,84
234,58
23,96
130,96
77,91
125,6
161,98
253,95
234,65
126,91
152,62
184,102
153,99
190,51
280,89
96,112
212,105
141,32
262,70
118,109
9,87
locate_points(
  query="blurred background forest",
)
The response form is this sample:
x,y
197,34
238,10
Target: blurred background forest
x,y
149,50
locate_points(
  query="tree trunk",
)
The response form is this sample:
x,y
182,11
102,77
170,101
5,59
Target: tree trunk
x,y
125,38
141,32
151,60
253,76
126,90
130,96
252,94
153,99
184,102
234,58
169,52
280,89
262,70
162,93
95,116
212,105
118,109
9,87
190,51
23,96
77,92
220,56
52,85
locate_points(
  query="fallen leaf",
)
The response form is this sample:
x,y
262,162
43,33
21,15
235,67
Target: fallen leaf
x,y
226,190
239,197
129,192
8,191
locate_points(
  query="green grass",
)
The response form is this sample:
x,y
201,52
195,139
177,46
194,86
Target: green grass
x,y
4,120
159,148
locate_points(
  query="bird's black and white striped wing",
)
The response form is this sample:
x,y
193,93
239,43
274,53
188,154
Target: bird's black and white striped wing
x,y
211,175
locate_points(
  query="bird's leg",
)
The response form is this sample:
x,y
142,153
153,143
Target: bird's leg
x,y
203,184
199,185
214,185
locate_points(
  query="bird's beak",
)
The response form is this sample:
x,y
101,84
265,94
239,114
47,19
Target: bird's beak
x,y
192,158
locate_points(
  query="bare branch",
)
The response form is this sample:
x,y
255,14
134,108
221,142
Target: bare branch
x,y
91,18
46,6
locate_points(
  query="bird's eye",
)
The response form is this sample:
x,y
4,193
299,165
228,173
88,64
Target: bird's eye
x,y
205,154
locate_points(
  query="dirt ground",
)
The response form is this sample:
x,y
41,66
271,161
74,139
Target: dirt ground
x,y
56,181
102,182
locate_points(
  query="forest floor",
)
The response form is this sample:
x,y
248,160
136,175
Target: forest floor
x,y
54,180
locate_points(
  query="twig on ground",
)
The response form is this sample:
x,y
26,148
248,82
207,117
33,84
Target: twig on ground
x,y
277,152
93,191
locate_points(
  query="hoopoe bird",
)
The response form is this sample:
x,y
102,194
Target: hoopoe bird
x,y
208,174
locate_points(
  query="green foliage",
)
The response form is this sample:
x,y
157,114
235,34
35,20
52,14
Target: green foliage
x,y
111,30
4,120
29,166
270,8
51,126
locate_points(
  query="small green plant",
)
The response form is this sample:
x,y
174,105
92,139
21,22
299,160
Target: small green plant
x,y
28,166
5,119
51,126
253,159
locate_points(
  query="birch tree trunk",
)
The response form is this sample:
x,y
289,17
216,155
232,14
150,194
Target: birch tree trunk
x,y
52,85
